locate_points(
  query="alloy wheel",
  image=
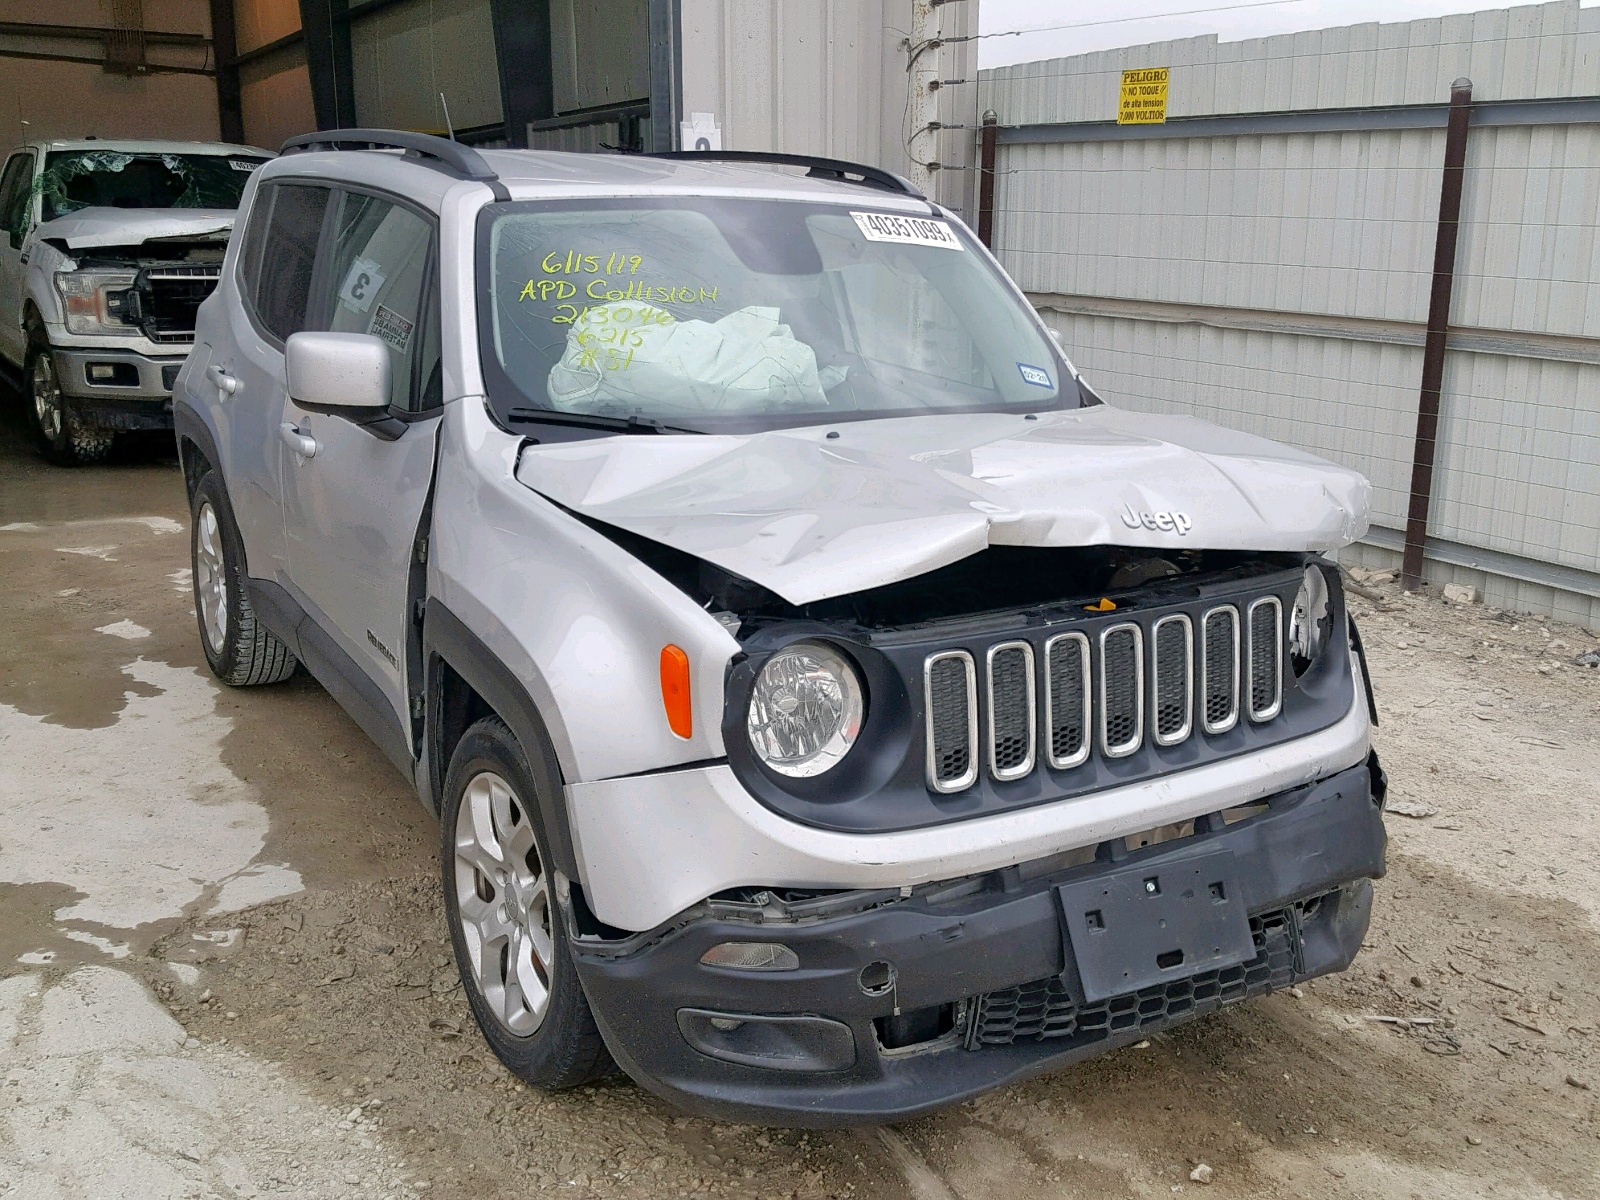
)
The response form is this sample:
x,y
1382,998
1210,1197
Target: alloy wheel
x,y
211,586
47,396
503,896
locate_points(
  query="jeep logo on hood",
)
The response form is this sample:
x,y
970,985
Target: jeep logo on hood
x,y
1162,522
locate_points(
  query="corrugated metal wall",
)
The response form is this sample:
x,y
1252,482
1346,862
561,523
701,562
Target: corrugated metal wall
x,y
827,77
1279,282
403,55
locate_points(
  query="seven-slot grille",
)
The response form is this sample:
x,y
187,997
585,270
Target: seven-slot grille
x,y
1108,693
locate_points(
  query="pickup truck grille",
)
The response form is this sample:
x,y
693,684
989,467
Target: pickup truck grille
x,y
1158,677
172,294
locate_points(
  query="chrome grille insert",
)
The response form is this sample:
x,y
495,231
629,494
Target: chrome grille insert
x,y
1121,690
950,701
1012,732
1219,669
1264,650
1066,700
1171,673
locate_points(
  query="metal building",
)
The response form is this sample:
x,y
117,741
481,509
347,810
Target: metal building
x,y
829,77
1266,258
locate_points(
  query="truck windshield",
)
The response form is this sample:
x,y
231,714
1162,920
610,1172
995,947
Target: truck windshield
x,y
737,314
113,179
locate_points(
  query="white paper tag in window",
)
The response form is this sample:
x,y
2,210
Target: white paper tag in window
x,y
243,164
392,328
361,285
914,231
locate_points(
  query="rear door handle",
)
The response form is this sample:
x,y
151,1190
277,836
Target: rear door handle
x,y
302,444
223,381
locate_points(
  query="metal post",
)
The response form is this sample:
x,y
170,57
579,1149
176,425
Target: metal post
x,y
326,24
922,106
988,142
1433,348
225,49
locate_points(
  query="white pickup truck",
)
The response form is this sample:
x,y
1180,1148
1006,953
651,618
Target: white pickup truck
x,y
107,249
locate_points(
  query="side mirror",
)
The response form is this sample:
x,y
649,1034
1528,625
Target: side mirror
x,y
345,374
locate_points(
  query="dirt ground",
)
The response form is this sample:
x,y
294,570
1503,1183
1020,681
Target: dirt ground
x,y
223,970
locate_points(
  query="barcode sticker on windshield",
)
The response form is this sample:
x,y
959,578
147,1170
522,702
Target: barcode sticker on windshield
x,y
915,231
243,164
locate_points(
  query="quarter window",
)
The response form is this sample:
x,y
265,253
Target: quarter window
x,y
379,281
288,256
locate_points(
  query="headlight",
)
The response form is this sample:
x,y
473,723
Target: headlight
x,y
805,710
93,301
1311,622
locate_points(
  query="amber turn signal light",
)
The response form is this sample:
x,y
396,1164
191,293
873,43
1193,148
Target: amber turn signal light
x,y
675,690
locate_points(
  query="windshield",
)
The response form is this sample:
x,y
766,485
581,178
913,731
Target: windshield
x,y
739,314
112,179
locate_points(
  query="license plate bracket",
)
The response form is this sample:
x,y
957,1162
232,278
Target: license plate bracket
x,y
1155,922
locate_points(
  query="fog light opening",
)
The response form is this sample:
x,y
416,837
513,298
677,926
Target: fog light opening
x,y
915,1028
752,956
876,978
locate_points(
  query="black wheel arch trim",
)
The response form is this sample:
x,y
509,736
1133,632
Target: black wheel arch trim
x,y
447,641
188,425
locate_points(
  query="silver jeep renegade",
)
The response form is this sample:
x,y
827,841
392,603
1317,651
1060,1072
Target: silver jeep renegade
x,y
832,708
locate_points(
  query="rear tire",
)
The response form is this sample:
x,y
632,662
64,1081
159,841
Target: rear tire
x,y
63,436
239,649
505,922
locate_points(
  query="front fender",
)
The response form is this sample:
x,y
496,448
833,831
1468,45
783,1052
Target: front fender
x,y
572,616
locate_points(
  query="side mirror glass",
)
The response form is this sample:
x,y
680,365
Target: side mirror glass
x,y
346,374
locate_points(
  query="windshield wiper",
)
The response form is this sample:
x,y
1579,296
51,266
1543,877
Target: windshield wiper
x,y
628,424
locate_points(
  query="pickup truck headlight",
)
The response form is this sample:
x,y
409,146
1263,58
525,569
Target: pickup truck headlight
x,y
805,709
1311,621
93,301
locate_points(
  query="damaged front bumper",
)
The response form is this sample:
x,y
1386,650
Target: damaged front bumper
x,y
925,997
119,389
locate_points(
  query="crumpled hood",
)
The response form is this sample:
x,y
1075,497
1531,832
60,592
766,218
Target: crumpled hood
x,y
812,516
91,227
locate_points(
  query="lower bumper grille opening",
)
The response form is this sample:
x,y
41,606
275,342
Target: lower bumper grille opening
x,y
914,1028
1045,1010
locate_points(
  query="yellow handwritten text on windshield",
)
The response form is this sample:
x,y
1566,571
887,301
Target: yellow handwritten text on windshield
x,y
605,287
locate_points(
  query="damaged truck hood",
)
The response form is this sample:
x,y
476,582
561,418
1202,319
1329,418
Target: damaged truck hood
x,y
810,515
91,227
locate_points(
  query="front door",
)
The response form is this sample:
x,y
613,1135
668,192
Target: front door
x,y
16,210
353,506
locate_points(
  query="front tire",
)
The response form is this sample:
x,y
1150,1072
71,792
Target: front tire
x,y
63,436
505,923
239,649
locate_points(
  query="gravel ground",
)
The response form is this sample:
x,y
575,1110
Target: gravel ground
x,y
223,970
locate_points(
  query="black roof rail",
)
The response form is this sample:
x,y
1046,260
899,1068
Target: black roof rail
x,y
820,168
431,150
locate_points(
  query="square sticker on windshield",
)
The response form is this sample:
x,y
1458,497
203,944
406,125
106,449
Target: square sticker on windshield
x,y
914,231
1037,376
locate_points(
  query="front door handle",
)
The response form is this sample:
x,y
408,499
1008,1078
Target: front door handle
x,y
302,444
223,381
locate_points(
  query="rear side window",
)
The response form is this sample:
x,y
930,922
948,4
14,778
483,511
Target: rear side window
x,y
378,284
282,287
14,193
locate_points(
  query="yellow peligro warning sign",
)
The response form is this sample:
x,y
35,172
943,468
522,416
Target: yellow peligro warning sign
x,y
1144,97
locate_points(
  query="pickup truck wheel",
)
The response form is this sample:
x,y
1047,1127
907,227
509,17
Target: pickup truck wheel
x,y
64,437
239,650
505,922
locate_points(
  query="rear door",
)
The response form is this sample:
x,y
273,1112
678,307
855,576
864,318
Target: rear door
x,y
353,507
243,360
